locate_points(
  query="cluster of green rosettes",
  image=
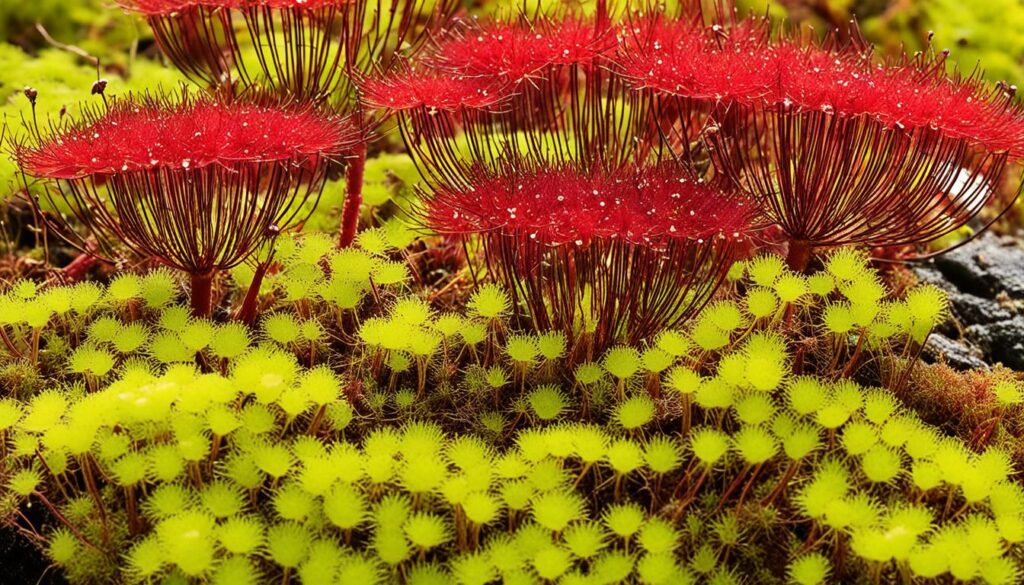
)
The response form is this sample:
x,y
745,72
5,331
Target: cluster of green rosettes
x,y
350,439
242,461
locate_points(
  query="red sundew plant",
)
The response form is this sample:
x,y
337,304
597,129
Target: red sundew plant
x,y
195,184
306,49
689,59
836,148
517,50
555,175
618,255
592,120
434,91
690,70
490,92
432,107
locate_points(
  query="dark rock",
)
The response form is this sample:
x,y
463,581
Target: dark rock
x,y
976,310
968,309
986,267
1002,341
964,274
928,273
955,354
985,283
1008,343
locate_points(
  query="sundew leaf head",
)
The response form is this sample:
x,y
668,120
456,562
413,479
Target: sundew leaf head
x,y
801,442
673,343
754,408
662,454
635,412
426,531
624,456
522,349
158,288
547,402
709,445
847,264
556,510
588,373
810,569
236,570
481,508
287,543
552,345
790,288
586,539
490,301
765,269
761,302
185,539
726,315
683,380
656,360
624,520
754,444
714,392
622,362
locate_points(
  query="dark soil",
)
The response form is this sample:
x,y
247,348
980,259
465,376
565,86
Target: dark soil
x,y
23,564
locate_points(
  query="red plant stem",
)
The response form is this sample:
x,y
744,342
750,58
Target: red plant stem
x,y
134,522
601,18
314,425
214,450
654,386
733,486
798,360
460,529
75,271
247,312
64,520
800,254
686,414
202,292
691,494
781,486
93,489
10,344
904,377
848,370
353,197
748,485
34,346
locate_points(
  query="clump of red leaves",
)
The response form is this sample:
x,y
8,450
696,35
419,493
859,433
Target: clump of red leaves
x,y
560,205
516,50
195,183
836,147
430,90
540,124
474,65
744,65
532,144
308,49
487,92
687,58
311,50
152,133
606,255
170,7
966,404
